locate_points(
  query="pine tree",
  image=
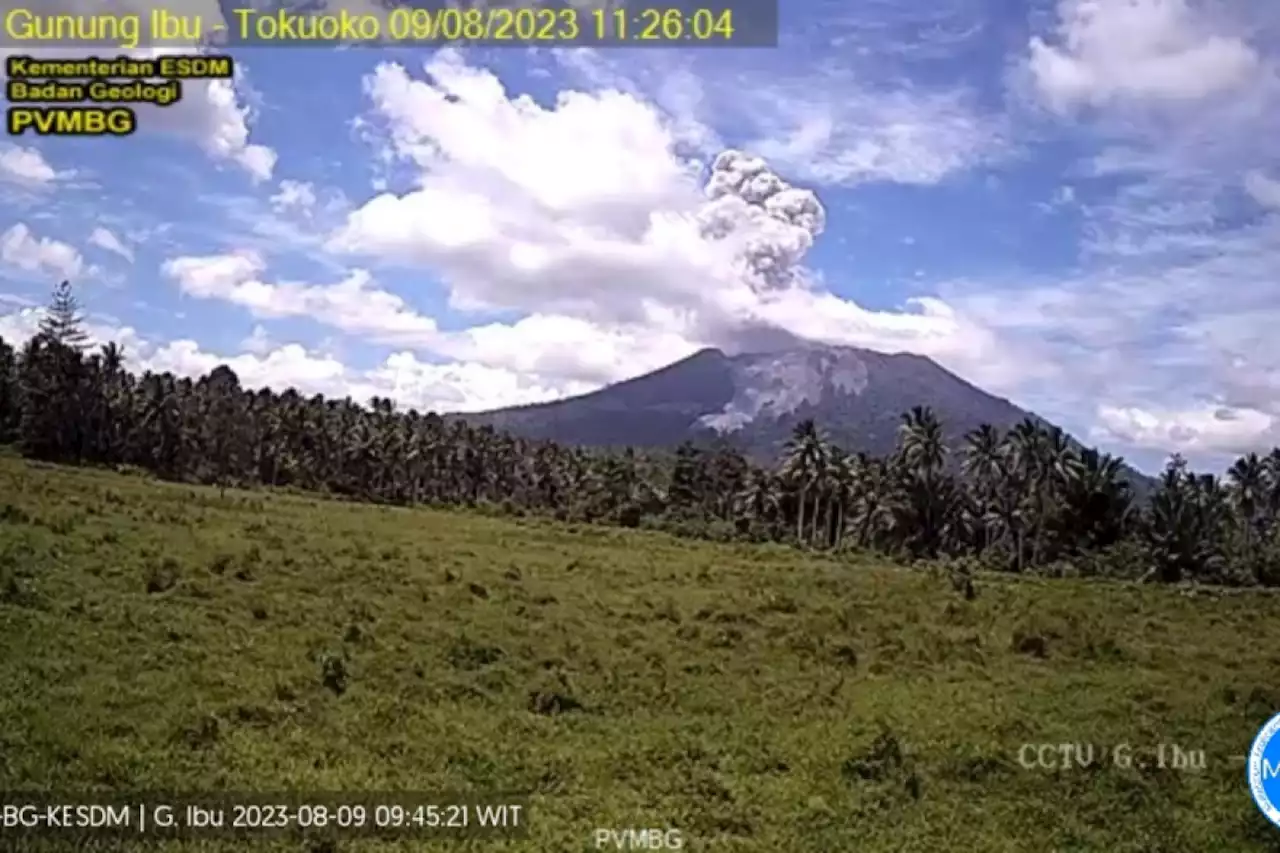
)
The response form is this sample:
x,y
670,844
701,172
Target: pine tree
x,y
62,323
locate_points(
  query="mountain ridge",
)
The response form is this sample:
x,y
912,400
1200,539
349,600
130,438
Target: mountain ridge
x,y
753,399
752,402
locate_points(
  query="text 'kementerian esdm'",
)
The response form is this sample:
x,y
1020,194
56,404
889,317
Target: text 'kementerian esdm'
x,y
98,96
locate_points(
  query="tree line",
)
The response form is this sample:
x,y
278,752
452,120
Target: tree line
x,y
1027,499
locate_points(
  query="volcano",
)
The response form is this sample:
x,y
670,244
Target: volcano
x,y
752,401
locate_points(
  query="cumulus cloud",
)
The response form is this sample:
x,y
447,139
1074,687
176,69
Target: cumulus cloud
x,y
1167,347
455,387
1137,50
19,326
16,327
26,167
561,348
353,305
1212,429
604,219
582,209
213,115
22,250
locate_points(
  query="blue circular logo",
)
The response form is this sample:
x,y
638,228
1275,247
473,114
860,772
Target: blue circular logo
x,y
1264,770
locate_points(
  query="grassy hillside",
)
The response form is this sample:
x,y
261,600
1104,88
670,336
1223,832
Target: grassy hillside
x,y
159,636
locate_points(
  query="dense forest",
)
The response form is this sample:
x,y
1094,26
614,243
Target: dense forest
x,y
1025,500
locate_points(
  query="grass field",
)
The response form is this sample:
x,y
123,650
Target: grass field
x,y
164,637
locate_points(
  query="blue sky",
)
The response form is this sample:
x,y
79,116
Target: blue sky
x,y
1075,205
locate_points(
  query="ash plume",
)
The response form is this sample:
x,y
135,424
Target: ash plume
x,y
773,223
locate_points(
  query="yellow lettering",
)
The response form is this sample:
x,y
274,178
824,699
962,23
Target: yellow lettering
x,y
17,24
187,67
64,30
71,121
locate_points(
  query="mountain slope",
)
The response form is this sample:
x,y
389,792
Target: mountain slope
x,y
654,410
856,395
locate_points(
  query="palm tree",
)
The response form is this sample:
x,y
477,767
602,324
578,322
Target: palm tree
x,y
872,510
760,498
927,511
1248,478
803,461
1097,502
984,466
922,446
1027,446
840,477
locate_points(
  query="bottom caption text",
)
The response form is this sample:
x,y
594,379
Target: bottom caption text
x,y
221,815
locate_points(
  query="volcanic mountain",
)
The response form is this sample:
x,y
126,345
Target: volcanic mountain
x,y
753,401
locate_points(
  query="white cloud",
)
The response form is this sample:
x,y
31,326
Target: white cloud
x,y
212,275
463,386
26,167
258,342
582,209
213,115
23,250
401,376
288,366
591,153
294,195
18,326
585,216
1113,51
352,305
1211,429
566,348
1265,191
107,240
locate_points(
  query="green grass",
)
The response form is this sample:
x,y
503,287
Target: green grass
x,y
164,637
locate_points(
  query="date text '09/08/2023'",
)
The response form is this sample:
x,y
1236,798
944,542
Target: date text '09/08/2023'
x,y
41,92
